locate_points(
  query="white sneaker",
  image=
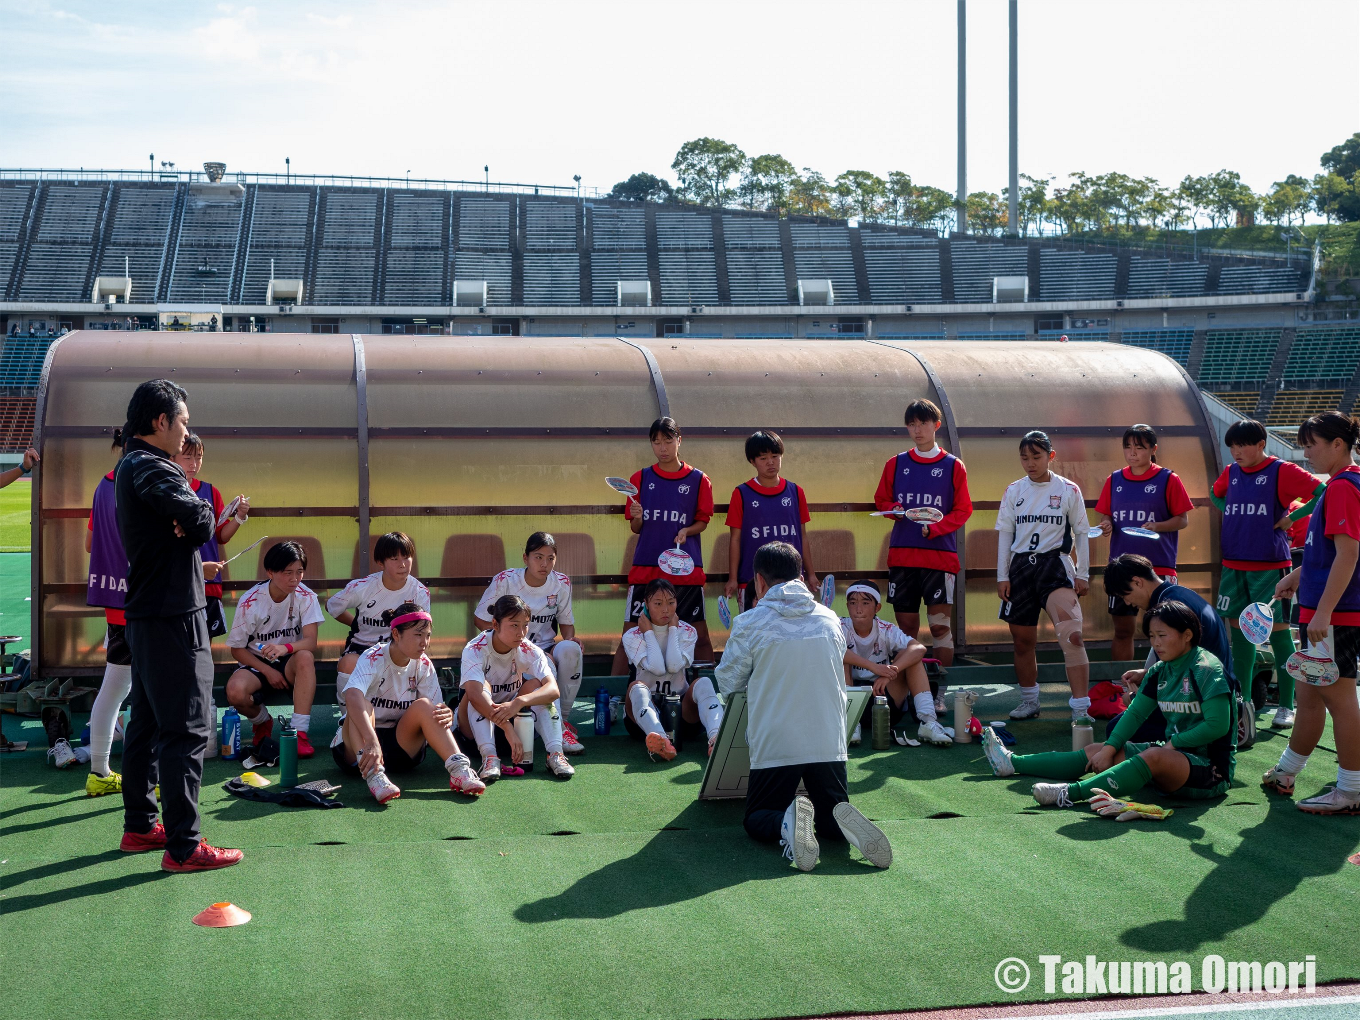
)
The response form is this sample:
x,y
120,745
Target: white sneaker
x,y
559,766
61,753
855,736
1332,802
490,770
798,836
463,780
1278,780
862,834
1026,710
1284,718
1052,794
571,741
931,732
382,788
998,755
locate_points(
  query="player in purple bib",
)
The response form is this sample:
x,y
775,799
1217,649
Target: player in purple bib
x,y
768,508
190,458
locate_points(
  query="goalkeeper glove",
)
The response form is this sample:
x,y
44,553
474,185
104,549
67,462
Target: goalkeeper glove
x,y
1102,803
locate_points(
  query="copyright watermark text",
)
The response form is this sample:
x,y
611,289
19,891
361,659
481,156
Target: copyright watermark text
x,y
1158,977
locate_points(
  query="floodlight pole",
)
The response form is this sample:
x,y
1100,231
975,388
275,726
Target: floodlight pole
x,y
1013,206
961,198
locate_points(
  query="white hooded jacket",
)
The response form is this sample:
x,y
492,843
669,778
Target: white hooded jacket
x,y
788,654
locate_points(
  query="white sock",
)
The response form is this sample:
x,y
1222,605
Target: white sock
x,y
567,660
644,712
1348,780
301,723
925,706
340,680
115,687
454,762
264,714
710,708
1079,706
1029,694
484,732
549,729
1292,762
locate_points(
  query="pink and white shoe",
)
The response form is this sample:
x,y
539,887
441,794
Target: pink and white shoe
x,y
463,780
383,789
571,741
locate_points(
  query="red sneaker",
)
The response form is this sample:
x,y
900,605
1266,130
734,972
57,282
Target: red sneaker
x,y
204,858
140,842
262,730
305,749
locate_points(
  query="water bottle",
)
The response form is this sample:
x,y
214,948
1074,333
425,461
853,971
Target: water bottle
x,y
288,758
880,719
1081,736
602,720
231,734
524,729
963,715
672,721
258,648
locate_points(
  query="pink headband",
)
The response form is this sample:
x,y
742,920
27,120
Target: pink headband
x,y
411,618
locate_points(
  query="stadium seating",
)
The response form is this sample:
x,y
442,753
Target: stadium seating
x,y
685,253
575,553
1001,334
976,264
1291,407
205,260
1089,335
1323,354
823,253
278,235
136,246
1153,277
1235,358
552,279
1260,280
755,260
416,258
472,556
901,268
1075,276
347,254
21,361
356,568
1240,400
1175,343
16,423
58,264
311,545
13,207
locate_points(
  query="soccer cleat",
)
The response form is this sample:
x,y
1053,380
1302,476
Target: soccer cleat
x,y
305,748
463,780
490,770
571,740
998,756
559,766
855,736
205,857
1332,802
1026,710
658,745
798,836
261,731
382,788
61,753
862,834
931,732
1107,805
1277,780
1284,718
1052,794
140,842
97,786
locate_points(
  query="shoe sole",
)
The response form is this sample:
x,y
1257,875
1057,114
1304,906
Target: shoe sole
x,y
662,746
1272,788
101,793
873,844
1330,811
141,849
996,771
182,870
805,849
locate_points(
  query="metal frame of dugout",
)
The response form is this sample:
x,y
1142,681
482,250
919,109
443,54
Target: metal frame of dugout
x,y
458,440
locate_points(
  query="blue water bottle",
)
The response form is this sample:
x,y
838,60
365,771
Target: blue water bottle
x,y
231,734
602,719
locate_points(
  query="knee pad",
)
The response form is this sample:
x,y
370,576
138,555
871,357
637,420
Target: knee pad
x,y
567,657
945,640
1069,640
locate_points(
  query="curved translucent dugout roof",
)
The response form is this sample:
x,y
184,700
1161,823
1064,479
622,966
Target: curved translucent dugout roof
x,y
474,443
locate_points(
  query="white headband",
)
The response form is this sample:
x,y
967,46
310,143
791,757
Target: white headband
x,y
863,589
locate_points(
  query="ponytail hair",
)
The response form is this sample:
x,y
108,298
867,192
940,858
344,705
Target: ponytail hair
x,y
507,606
117,443
1329,426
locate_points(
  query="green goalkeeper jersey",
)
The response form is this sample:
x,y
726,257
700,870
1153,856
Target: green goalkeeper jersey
x,y
1196,700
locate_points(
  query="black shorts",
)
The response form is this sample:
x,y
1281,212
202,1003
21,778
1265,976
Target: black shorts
x,y
116,650
908,587
1347,647
355,646
217,620
1034,577
689,602
268,694
395,758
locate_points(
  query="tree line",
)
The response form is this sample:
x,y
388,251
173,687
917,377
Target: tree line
x,y
715,173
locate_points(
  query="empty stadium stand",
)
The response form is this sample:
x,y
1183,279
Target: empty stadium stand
x,y
1174,343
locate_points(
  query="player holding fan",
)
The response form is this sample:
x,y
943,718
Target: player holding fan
x,y
923,556
552,627
1041,524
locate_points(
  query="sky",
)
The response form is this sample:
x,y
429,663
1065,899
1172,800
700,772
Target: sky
x,y
542,91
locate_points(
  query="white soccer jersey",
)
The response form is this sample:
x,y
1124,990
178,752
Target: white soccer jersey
x,y
389,688
370,598
258,618
503,673
662,680
1043,518
883,644
549,604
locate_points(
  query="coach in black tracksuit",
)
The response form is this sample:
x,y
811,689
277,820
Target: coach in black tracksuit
x,y
162,524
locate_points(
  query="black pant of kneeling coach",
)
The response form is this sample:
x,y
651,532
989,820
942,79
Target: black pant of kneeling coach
x,y
769,792
168,729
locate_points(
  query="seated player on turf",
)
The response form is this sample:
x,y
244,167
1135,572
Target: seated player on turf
x,y
547,593
1328,588
1142,495
768,508
923,558
1041,523
360,605
190,458
879,653
273,637
1196,756
392,708
503,673
660,650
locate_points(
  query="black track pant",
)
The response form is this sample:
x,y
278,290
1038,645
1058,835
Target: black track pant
x,y
769,792
168,729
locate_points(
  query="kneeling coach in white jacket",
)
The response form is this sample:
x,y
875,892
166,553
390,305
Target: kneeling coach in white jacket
x,y
788,654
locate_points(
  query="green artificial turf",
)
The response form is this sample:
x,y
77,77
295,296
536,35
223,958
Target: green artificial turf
x,y
16,504
14,604
654,903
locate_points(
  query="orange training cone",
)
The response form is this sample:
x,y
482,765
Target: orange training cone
x,y
222,915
